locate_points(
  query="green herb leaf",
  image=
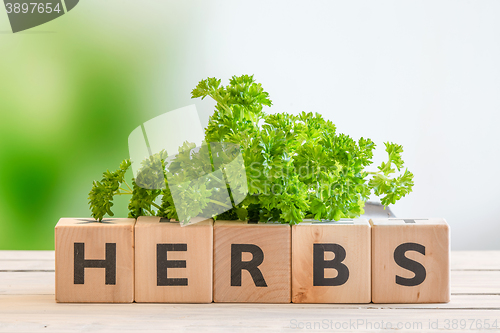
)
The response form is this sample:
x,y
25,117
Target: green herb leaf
x,y
296,166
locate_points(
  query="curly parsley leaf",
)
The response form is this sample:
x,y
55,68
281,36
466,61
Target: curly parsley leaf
x,y
102,192
296,166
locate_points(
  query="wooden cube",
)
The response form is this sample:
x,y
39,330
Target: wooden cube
x,y
410,261
94,260
331,262
252,262
173,264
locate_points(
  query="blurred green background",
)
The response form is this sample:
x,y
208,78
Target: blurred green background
x,y
71,91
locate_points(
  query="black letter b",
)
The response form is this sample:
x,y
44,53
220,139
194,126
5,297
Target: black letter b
x,y
319,265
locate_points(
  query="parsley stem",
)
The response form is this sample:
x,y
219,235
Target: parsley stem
x,y
219,203
123,193
380,174
219,101
129,193
127,185
211,175
153,204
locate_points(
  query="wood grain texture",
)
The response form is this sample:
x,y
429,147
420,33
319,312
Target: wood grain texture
x,y
198,259
274,240
475,260
42,314
355,239
27,283
94,236
459,260
390,234
27,305
42,283
27,255
26,265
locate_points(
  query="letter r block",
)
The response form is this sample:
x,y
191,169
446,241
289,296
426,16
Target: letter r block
x,y
252,262
410,260
173,264
95,260
331,262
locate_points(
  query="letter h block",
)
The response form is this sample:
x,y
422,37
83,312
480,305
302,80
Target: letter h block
x,y
331,262
173,264
410,260
95,260
252,262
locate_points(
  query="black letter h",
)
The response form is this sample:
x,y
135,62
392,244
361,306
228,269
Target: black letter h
x,y
109,264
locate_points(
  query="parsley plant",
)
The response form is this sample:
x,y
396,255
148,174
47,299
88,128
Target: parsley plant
x,y
297,166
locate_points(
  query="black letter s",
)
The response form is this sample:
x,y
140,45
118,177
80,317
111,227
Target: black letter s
x,y
409,264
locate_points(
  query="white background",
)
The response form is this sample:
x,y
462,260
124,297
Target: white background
x,y
424,74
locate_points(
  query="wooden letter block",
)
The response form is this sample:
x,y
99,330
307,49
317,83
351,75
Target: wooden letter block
x,y
331,262
173,264
410,261
252,262
95,260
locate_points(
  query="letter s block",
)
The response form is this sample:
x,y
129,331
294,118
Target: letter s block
x,y
331,262
410,260
173,264
95,260
252,262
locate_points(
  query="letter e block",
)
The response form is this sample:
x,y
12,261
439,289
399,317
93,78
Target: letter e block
x,y
95,260
331,262
252,262
173,264
410,260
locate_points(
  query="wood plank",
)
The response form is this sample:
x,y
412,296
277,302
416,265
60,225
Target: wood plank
x,y
27,265
462,282
34,260
27,283
27,255
475,282
27,303
41,313
459,260
478,302
475,260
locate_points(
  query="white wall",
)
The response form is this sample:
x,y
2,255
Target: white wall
x,y
425,74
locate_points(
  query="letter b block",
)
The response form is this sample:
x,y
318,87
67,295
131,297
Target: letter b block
x,y
331,262
252,262
95,260
173,264
410,261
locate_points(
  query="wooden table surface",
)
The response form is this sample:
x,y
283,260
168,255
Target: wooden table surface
x,y
27,305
